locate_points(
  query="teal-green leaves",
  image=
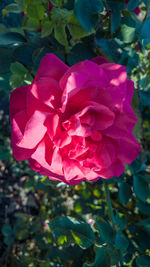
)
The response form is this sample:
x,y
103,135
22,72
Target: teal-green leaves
x,y
87,11
141,188
69,230
106,232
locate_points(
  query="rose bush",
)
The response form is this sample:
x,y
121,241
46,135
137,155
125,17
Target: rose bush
x,y
75,123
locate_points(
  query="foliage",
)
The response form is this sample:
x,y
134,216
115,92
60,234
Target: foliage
x,y
45,223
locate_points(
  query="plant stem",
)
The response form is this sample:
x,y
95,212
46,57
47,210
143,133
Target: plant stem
x,y
108,200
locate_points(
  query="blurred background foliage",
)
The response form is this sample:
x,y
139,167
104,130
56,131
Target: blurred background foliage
x,y
45,223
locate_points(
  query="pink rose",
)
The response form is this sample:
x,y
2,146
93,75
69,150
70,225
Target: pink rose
x,y
75,123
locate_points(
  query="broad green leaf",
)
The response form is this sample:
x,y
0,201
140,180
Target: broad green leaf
x,y
124,193
87,12
106,232
35,10
141,188
17,67
121,242
75,28
74,230
47,27
60,33
11,38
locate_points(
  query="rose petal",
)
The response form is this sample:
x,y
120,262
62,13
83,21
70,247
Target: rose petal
x,y
18,125
51,66
128,149
116,169
18,100
34,130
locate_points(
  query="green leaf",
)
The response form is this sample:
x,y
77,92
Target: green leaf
x,y
47,27
75,28
143,261
11,38
124,193
116,8
102,258
14,8
35,10
16,80
127,33
141,188
121,242
17,67
132,4
60,33
106,232
32,24
145,32
144,208
74,230
87,12
120,220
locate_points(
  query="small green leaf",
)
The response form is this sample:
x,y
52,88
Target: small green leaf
x,y
75,28
35,10
106,232
121,242
141,188
60,33
75,231
124,193
17,67
86,11
47,27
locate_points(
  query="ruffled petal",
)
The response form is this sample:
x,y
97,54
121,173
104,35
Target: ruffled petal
x,y
34,130
18,124
18,100
51,66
